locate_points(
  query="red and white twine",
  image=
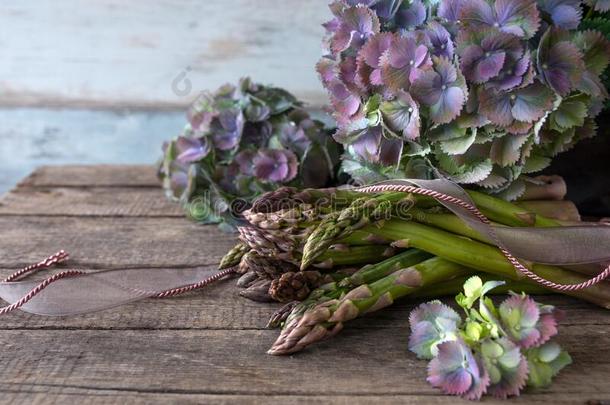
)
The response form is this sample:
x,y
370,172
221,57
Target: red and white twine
x,y
479,215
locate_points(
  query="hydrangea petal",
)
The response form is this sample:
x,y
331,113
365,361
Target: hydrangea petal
x,y
519,315
355,24
517,17
531,103
367,144
507,368
390,151
565,14
450,9
410,14
402,115
191,149
440,40
559,61
456,371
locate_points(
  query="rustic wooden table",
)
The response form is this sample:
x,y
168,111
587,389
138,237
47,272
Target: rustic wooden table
x,y
208,346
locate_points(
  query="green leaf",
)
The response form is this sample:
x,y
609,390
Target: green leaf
x,y
535,164
513,191
506,151
278,100
474,173
458,146
571,113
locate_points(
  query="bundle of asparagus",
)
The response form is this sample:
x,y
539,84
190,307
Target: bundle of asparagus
x,y
334,255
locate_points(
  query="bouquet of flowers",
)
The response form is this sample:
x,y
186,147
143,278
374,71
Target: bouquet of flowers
x,y
481,92
240,142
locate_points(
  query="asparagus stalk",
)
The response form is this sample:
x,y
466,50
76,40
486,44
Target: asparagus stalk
x,y
455,286
367,274
562,210
346,255
362,211
327,318
233,256
507,213
483,257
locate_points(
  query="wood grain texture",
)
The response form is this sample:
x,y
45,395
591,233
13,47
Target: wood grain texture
x,y
111,53
207,346
356,362
109,175
112,242
97,201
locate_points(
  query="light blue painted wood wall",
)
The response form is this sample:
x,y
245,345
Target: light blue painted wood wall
x,y
103,81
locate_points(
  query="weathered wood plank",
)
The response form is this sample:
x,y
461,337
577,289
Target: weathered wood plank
x,y
61,395
220,307
210,42
112,242
98,201
374,362
111,175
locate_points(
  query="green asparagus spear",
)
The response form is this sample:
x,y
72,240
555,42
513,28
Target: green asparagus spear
x,y
327,318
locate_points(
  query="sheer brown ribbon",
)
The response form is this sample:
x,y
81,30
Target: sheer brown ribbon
x,y
74,292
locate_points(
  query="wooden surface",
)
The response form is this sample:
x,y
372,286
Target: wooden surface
x,y
209,346
154,53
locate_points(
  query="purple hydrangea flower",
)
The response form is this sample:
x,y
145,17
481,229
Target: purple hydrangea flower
x,y
181,181
506,366
404,61
485,53
450,10
595,49
526,104
431,324
354,25
345,102
517,17
559,62
275,165
368,143
227,129
293,137
369,60
191,150
456,371
565,14
410,14
527,323
401,115
201,113
243,160
440,40
442,89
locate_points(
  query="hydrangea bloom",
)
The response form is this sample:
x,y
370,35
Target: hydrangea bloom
x,y
545,362
526,322
431,324
494,351
506,366
241,141
479,88
456,371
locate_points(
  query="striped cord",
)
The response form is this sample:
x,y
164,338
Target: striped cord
x,y
62,256
479,215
